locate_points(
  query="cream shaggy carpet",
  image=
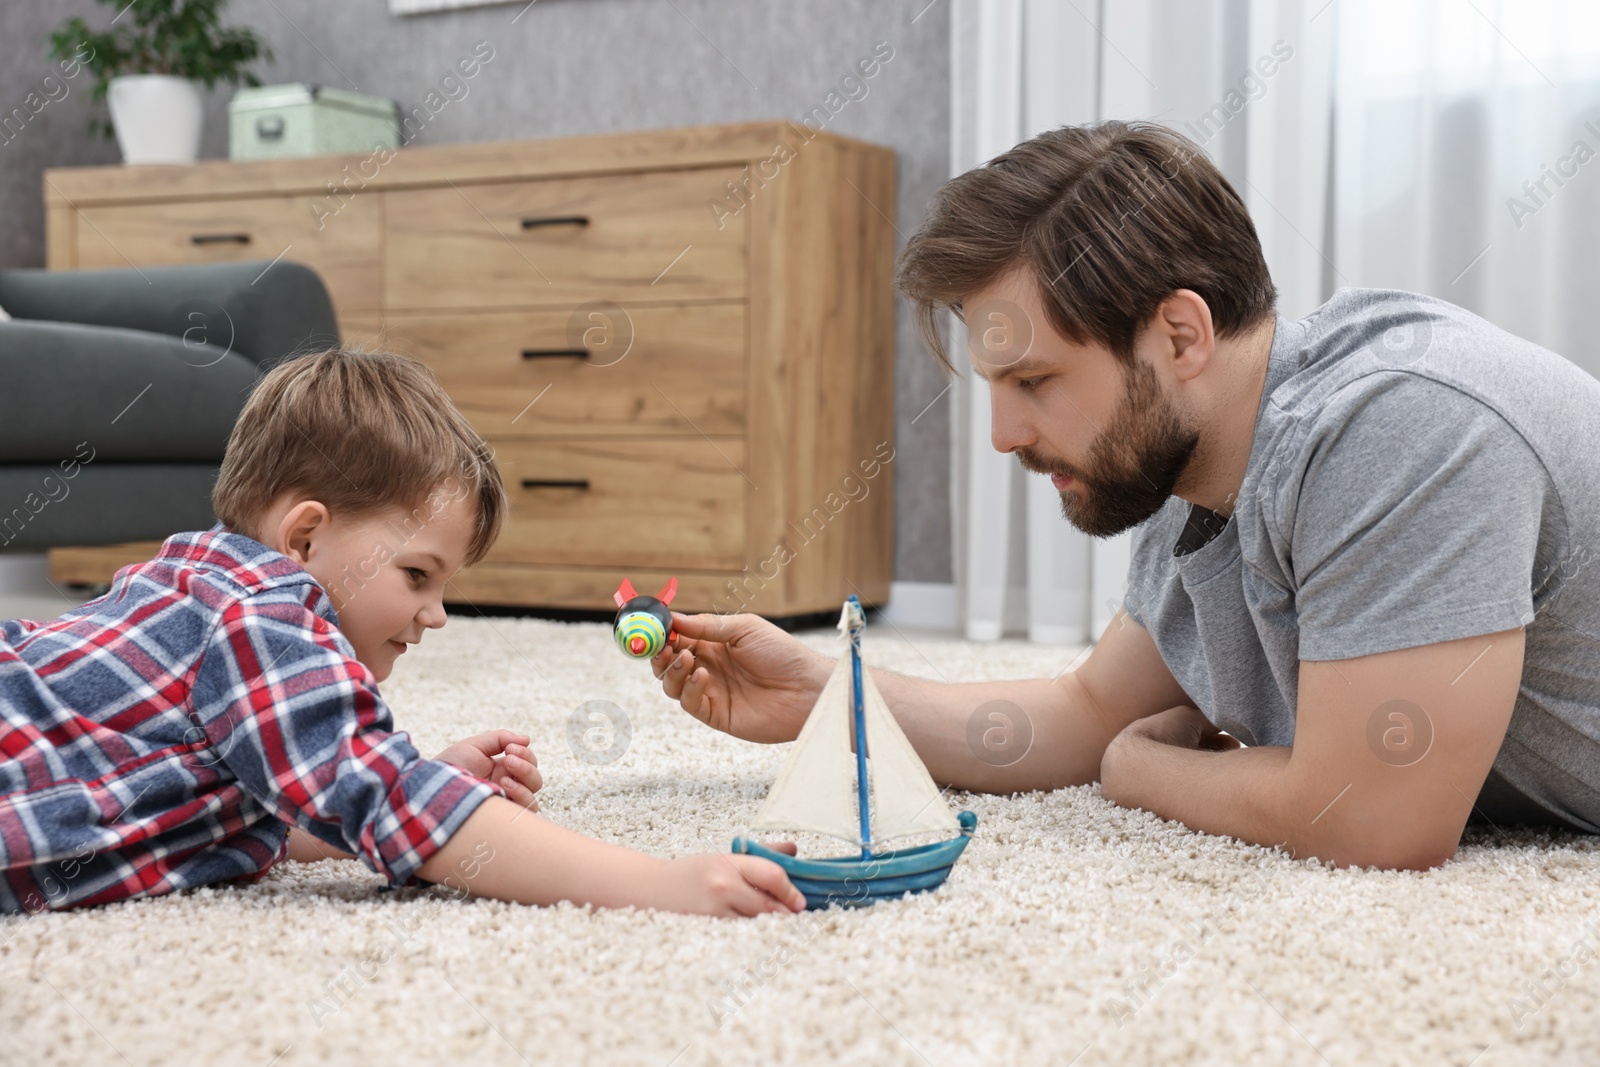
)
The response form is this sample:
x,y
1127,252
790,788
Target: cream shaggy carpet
x,y
1071,931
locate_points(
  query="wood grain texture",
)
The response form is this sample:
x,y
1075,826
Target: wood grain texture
x,y
491,584
418,166
744,439
822,308
644,238
95,564
60,236
209,231
646,502
677,369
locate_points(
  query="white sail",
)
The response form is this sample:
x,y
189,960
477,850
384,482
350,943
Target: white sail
x,y
905,799
816,789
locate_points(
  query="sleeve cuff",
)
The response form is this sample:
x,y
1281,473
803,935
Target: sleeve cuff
x,y
428,804
1336,644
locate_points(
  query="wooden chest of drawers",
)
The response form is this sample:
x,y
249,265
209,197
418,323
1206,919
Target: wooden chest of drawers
x,y
680,343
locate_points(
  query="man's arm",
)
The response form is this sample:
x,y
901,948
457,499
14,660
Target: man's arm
x,y
1390,752
970,735
744,676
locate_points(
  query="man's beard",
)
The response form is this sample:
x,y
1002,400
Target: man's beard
x,y
1133,465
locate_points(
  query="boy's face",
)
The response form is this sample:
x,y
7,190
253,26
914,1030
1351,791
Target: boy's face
x,y
385,573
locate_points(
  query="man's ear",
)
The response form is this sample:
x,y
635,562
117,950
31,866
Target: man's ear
x,y
1183,320
302,526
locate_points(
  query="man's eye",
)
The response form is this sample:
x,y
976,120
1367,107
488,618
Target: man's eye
x,y
1028,385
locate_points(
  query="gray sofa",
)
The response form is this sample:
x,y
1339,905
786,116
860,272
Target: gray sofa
x,y
120,388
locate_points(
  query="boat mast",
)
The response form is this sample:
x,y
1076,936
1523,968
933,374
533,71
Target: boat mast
x,y
860,725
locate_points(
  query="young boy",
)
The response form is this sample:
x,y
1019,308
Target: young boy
x,y
217,710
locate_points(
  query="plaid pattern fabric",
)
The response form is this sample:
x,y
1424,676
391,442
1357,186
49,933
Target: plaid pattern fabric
x,y
166,734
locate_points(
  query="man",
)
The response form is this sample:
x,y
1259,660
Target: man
x,y
1363,541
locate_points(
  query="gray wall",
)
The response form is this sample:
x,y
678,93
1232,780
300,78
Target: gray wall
x,y
576,66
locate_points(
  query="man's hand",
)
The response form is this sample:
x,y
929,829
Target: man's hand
x,y
1125,772
1182,727
742,675
502,757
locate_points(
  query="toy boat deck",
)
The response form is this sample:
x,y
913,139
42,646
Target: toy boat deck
x,y
856,881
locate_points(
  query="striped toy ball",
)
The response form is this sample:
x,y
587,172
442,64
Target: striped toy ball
x,y
640,635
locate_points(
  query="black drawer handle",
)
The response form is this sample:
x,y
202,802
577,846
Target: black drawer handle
x,y
220,239
555,483
555,220
555,353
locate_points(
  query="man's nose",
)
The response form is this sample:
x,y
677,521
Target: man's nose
x,y
1008,431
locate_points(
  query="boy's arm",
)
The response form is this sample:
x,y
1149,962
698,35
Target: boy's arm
x,y
302,728
281,705
303,848
517,772
506,852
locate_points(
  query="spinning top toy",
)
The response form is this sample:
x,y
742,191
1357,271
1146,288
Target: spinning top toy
x,y
644,623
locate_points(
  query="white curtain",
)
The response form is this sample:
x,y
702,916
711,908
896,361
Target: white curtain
x,y
1020,67
1468,159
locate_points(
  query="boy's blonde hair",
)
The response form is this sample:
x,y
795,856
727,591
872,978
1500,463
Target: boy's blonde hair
x,y
360,431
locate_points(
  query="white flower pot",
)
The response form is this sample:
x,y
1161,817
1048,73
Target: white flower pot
x,y
157,118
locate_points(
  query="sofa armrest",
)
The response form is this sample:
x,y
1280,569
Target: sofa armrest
x,y
262,310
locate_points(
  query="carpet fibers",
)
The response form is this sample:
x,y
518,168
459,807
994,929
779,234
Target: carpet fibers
x,y
1071,931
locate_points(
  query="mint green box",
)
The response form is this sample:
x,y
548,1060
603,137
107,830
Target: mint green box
x,y
298,119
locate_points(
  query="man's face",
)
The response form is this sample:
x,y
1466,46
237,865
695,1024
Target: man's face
x,y
385,573
1111,440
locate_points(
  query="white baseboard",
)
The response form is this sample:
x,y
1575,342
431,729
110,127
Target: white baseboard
x,y
923,605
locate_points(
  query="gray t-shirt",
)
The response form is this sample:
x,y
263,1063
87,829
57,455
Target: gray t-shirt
x,y
1417,475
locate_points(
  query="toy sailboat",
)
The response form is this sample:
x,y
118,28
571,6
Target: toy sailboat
x,y
878,793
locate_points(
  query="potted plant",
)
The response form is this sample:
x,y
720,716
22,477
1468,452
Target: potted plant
x,y
149,69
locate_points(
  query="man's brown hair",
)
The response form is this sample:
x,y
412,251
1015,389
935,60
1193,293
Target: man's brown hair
x,y
361,432
1108,218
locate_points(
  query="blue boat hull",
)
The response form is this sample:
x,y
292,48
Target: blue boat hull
x,y
856,882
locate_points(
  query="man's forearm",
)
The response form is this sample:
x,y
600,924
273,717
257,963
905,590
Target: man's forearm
x,y
1260,796
1240,793
1000,737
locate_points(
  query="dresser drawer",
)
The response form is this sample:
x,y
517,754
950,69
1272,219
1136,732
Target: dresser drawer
x,y
637,502
561,241
678,369
211,231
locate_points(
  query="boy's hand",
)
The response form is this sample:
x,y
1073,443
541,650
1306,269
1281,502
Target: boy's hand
x,y
729,884
516,770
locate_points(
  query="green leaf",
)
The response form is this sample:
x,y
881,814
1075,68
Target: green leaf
x,y
184,38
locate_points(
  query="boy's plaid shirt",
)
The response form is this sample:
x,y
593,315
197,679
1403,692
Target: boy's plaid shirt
x,y
166,734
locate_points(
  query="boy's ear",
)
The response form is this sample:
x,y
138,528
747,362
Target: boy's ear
x,y
302,525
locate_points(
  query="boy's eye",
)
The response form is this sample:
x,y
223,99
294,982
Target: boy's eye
x,y
1028,385
417,574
